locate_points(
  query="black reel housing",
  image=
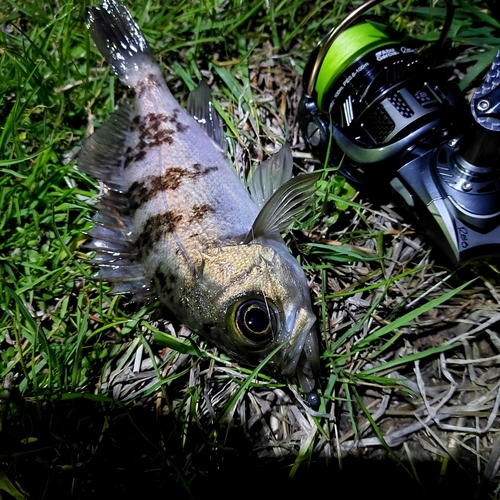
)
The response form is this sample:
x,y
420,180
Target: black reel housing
x,y
393,122
379,108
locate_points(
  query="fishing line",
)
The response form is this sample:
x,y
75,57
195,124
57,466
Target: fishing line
x,y
349,46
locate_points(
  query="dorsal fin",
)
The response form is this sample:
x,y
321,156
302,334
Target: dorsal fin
x,y
270,175
200,107
286,204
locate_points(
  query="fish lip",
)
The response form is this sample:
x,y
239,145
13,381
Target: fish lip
x,y
299,325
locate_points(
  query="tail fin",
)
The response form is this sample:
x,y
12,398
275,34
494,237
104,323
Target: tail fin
x,y
119,39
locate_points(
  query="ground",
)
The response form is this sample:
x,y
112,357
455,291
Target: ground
x,y
102,397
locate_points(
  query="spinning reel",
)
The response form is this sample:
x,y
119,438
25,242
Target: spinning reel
x,y
376,104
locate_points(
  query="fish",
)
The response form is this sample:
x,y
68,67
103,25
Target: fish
x,y
176,222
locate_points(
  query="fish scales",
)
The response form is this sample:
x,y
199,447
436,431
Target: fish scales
x,y
179,185
178,222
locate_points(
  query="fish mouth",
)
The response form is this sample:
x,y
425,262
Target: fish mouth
x,y
302,357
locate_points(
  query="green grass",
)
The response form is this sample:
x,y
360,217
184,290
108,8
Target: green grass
x,y
61,335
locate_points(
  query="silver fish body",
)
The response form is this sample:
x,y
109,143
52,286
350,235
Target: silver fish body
x,y
177,222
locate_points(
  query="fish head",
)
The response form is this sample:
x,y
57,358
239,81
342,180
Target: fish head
x,y
256,298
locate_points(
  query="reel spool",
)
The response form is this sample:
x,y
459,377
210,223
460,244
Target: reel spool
x,y
375,93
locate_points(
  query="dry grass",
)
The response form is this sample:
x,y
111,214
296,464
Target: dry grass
x,y
167,403
442,409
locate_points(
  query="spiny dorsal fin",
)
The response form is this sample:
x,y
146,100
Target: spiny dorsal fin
x,y
200,107
114,244
270,175
285,205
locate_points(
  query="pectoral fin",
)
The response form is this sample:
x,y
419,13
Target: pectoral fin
x,y
270,175
285,205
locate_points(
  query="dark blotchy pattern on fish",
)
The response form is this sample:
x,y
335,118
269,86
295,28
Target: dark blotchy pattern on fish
x,y
199,211
208,327
151,80
155,227
164,283
163,279
131,158
203,170
141,192
152,133
174,120
173,219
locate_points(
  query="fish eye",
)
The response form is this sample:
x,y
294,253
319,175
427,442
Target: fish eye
x,y
255,320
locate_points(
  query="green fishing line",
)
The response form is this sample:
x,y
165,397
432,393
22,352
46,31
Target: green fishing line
x,y
349,46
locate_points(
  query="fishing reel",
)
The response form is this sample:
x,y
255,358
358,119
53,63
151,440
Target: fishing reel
x,y
376,104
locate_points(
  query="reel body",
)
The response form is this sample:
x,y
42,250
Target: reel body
x,y
378,108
